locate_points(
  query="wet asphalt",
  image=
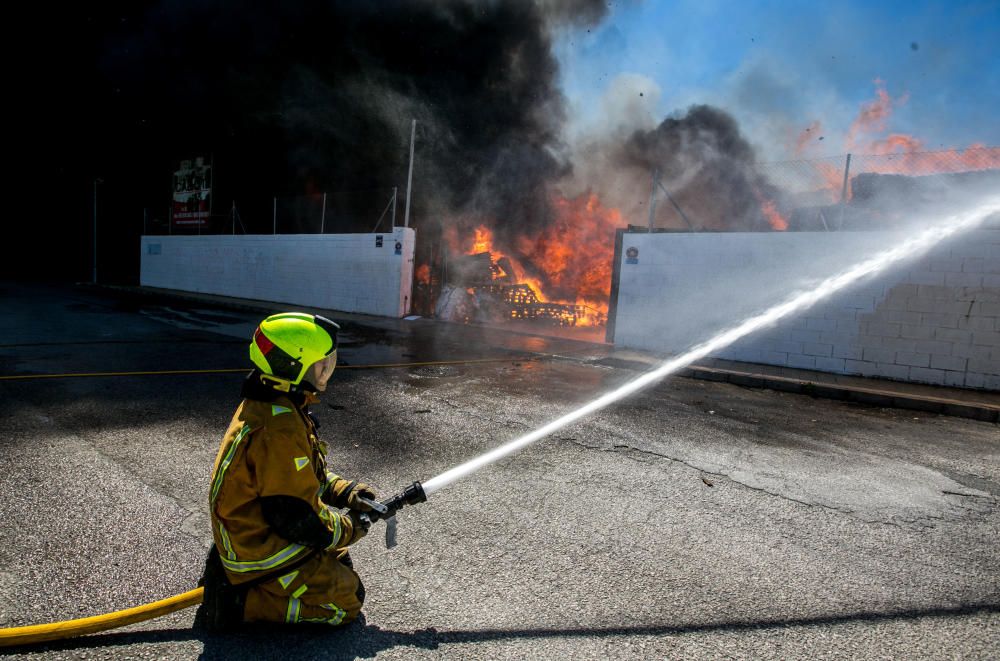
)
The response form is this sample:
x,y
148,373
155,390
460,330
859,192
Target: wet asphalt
x,y
694,520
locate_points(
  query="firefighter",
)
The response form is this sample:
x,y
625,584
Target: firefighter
x,y
280,551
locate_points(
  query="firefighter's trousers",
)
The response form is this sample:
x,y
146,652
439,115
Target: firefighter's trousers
x,y
325,590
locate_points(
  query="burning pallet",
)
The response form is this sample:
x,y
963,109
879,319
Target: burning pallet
x,y
483,288
519,301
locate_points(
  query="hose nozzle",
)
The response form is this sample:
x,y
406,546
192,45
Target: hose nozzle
x,y
387,509
411,495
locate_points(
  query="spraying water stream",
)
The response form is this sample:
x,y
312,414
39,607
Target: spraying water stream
x,y
914,246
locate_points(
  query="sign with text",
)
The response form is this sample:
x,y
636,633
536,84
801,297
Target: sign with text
x,y
192,203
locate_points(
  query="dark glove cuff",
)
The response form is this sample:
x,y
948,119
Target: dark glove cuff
x,y
344,496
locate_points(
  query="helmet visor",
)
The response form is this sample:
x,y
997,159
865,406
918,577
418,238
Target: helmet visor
x,y
322,370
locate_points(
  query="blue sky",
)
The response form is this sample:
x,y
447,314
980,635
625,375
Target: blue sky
x,y
779,65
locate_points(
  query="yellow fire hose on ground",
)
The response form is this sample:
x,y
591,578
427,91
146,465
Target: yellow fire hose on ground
x,y
40,633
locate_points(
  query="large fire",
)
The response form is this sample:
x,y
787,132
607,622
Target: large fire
x,y
562,271
568,262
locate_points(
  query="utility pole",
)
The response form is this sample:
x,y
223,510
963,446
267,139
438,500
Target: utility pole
x,y
395,193
843,192
409,178
97,180
652,198
847,175
322,218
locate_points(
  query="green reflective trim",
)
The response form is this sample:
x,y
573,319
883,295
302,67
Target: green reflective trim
x,y
332,621
301,462
278,410
338,613
227,545
330,479
287,579
338,531
301,591
332,518
228,459
292,614
279,558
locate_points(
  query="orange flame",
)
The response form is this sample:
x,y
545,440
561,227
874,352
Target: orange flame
x,y
774,217
873,116
902,151
574,254
770,211
423,274
895,143
483,241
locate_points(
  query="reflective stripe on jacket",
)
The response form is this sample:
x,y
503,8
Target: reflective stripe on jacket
x,y
270,449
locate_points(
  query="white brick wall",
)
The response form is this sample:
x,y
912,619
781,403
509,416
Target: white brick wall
x,y
344,272
934,319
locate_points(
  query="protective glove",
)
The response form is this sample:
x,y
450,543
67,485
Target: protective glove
x,y
363,490
353,528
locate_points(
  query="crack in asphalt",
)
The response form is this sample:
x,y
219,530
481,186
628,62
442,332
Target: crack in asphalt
x,y
919,522
485,418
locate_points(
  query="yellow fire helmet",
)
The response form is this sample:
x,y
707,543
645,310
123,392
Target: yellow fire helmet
x,y
286,345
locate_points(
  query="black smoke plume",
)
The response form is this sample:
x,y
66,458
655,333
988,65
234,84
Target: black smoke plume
x,y
301,97
706,165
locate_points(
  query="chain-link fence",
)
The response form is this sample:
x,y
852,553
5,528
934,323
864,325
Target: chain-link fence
x,y
856,191
834,179
332,212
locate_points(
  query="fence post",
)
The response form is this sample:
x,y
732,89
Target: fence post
x,y
322,218
97,180
652,198
843,193
409,177
847,172
274,217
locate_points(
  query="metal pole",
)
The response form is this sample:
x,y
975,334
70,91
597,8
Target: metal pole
x,y
652,198
843,193
847,172
676,206
409,178
395,191
211,192
322,219
97,180
232,216
274,217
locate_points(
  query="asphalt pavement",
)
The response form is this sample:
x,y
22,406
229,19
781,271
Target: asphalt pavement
x,y
697,519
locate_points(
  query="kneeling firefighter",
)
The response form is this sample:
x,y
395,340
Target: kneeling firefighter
x,y
280,552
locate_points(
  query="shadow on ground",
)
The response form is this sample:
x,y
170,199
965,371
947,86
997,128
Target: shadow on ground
x,y
362,640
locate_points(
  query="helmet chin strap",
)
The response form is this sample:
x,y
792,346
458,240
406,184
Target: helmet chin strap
x,y
287,386
305,386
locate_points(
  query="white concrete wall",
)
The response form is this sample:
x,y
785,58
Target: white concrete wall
x,y
934,319
345,272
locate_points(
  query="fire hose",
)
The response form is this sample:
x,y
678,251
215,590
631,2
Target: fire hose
x,y
40,633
